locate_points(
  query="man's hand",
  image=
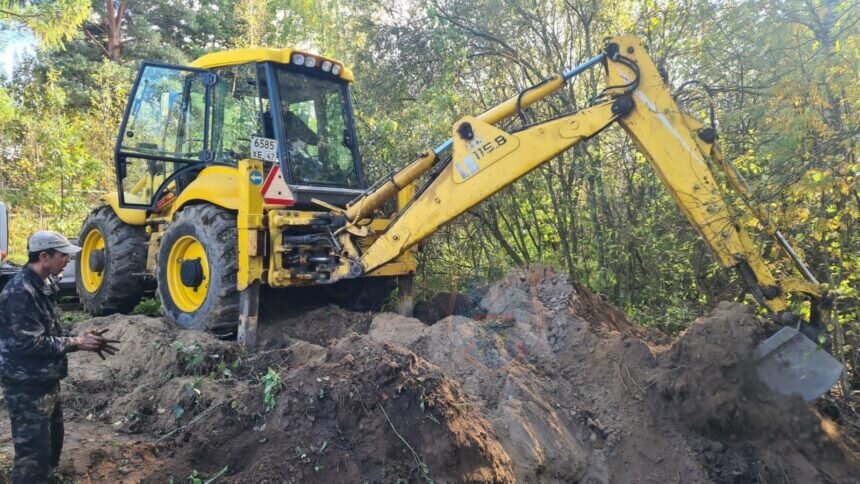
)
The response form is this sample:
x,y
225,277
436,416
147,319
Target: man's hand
x,y
88,342
97,332
94,340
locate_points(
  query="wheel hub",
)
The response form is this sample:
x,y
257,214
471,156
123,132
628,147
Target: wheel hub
x,y
191,273
97,261
187,271
93,261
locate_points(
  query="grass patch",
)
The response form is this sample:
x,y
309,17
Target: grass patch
x,y
149,307
73,317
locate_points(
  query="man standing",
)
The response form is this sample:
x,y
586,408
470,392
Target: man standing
x,y
33,359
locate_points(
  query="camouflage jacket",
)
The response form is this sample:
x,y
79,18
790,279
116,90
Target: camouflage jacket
x,y
33,347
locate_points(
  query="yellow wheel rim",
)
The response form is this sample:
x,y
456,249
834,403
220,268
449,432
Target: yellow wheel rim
x,y
91,279
187,299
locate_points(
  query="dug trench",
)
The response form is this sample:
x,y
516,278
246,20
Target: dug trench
x,y
536,380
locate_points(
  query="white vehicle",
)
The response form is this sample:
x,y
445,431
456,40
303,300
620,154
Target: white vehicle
x,y
7,269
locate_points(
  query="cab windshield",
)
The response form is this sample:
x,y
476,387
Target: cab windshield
x,y
318,142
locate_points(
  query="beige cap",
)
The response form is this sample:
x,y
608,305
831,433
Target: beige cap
x,y
45,239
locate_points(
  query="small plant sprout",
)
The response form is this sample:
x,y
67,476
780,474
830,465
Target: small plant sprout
x,y
271,385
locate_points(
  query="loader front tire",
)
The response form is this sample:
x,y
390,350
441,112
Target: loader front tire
x,y
197,267
110,269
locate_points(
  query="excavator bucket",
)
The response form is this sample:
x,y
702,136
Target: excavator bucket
x,y
790,363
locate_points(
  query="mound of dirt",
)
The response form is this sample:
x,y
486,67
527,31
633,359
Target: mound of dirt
x,y
577,392
711,387
356,411
501,381
542,382
178,402
319,326
153,384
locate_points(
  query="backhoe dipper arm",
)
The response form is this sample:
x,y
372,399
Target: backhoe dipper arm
x,y
486,159
679,148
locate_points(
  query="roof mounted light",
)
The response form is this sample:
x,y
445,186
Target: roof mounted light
x,y
335,69
298,59
310,61
326,66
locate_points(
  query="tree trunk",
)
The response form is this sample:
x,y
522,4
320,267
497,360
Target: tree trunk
x,y
115,10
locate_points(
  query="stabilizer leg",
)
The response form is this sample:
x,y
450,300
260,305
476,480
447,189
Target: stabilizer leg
x,y
405,295
249,306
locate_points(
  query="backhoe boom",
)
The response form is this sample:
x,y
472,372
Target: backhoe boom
x,y
485,159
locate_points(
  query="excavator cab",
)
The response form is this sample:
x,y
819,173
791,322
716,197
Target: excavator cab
x,y
230,172
294,116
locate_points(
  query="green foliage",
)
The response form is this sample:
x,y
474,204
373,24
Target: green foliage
x,y
224,370
194,477
192,395
149,307
70,318
53,22
198,478
7,108
55,161
191,357
194,390
271,386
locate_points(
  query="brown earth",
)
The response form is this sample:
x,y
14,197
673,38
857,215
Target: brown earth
x,y
543,382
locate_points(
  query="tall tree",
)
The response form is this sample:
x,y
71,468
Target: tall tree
x,y
114,16
126,32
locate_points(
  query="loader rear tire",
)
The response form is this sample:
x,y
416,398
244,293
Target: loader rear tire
x,y
110,270
197,268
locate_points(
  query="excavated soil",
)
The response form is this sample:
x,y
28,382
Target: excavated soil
x,y
536,380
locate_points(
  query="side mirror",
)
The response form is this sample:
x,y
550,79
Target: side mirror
x,y
4,231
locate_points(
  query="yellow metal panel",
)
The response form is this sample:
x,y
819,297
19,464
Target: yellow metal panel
x,y
405,196
278,219
796,284
406,263
399,267
261,54
131,216
152,248
277,276
484,149
218,185
250,223
281,218
448,196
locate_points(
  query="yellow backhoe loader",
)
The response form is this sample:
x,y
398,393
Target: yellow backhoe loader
x,y
243,170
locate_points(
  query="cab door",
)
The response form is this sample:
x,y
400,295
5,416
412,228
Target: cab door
x,y
164,133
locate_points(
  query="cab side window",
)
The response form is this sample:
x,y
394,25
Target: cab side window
x,y
166,114
236,114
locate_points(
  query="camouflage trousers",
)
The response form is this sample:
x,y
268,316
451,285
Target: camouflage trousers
x,y
36,413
